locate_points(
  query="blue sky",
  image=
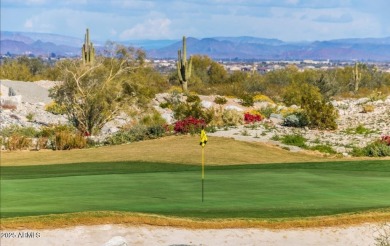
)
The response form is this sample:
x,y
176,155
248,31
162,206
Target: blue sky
x,y
120,20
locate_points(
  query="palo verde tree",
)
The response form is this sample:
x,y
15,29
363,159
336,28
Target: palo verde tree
x,y
94,93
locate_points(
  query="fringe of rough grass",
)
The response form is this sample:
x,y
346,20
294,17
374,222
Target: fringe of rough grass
x,y
131,219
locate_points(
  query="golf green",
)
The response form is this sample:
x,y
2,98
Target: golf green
x,y
238,191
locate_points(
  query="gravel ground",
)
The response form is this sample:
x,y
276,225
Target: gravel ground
x,y
32,92
115,235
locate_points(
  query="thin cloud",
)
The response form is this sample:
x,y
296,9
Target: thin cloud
x,y
150,29
344,18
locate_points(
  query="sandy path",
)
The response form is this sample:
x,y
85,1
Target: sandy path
x,y
360,235
32,92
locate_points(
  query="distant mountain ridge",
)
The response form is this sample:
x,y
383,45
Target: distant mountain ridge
x,y
376,49
243,47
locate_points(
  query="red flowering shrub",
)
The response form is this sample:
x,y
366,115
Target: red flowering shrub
x,y
189,125
252,118
386,139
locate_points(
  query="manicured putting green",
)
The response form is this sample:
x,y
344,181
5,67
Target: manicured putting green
x,y
245,191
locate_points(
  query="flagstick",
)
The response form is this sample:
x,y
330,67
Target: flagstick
x,y
202,173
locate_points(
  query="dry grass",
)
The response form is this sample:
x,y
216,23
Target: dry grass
x,y
125,218
173,149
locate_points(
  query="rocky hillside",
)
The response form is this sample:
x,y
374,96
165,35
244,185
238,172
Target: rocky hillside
x,y
30,100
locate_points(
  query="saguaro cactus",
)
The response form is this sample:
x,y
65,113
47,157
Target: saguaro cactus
x,y
357,76
184,67
88,51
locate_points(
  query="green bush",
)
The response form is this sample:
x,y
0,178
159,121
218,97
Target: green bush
x,y
195,109
30,117
153,119
247,100
374,149
321,114
220,100
323,148
136,133
295,140
267,111
50,131
55,108
192,98
360,129
29,132
298,119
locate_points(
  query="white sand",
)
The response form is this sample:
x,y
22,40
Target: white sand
x,y
360,235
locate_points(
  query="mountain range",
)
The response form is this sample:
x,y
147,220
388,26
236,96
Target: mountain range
x,y
245,47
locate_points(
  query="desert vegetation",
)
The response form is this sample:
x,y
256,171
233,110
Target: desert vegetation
x,y
98,88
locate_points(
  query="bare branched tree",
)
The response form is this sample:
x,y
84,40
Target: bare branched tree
x,y
94,93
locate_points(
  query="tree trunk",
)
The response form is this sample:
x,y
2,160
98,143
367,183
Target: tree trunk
x,y
184,86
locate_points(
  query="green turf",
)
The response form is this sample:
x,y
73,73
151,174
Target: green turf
x,y
248,191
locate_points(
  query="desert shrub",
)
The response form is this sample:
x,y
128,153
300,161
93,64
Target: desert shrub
x,y
135,134
295,140
65,140
247,100
172,100
41,143
289,110
50,131
321,114
323,148
153,119
195,110
376,95
217,120
360,129
55,108
368,108
30,117
192,98
262,98
375,149
175,90
295,91
189,125
298,119
220,100
18,142
29,132
232,118
267,111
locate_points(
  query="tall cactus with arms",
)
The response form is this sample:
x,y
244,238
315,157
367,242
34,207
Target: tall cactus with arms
x,y
88,51
184,67
357,76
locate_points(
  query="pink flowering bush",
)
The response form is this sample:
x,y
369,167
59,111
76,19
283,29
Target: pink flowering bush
x,y
189,125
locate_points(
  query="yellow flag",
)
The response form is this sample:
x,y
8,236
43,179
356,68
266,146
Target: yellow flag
x,y
203,138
